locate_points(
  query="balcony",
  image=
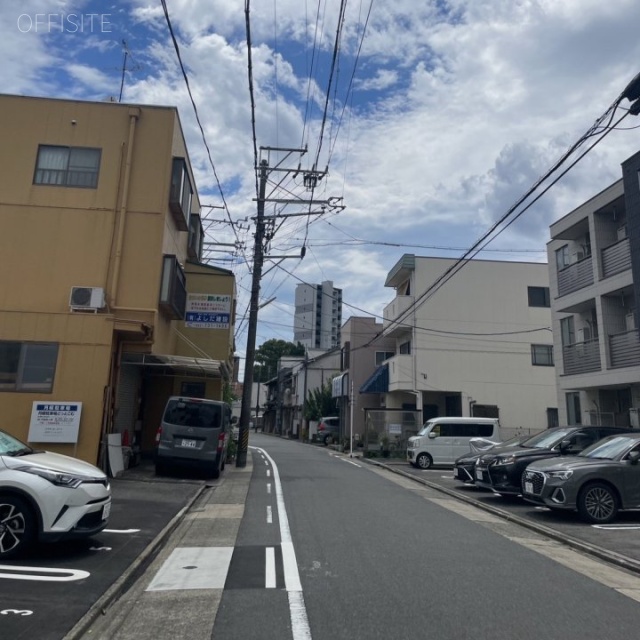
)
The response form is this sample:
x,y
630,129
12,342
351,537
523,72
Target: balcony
x,y
624,349
581,357
575,277
401,373
393,311
616,258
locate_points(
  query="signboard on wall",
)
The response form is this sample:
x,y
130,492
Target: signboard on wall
x,y
55,422
208,311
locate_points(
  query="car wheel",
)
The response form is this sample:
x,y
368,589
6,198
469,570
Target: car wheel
x,y
424,461
597,503
328,439
17,526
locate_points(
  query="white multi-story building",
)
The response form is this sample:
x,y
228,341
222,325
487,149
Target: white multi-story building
x,y
594,265
318,316
480,345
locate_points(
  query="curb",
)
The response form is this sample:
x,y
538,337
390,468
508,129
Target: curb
x,y
593,550
131,573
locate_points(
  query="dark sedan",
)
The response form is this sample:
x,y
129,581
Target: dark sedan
x,y
597,483
464,466
501,469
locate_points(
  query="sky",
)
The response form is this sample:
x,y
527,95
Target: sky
x,y
431,119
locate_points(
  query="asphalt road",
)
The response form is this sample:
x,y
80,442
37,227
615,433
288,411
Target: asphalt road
x,y
381,556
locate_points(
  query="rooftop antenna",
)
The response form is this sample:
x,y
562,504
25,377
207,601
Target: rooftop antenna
x,y
124,68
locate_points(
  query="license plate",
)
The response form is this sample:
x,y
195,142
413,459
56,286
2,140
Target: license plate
x,y
191,444
478,474
106,510
528,487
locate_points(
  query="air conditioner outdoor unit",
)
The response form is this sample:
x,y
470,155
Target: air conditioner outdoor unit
x,y
584,334
577,256
630,321
90,298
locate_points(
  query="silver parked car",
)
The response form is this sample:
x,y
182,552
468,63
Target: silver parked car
x,y
598,482
194,432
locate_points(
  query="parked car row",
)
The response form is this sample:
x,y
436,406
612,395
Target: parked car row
x,y
592,470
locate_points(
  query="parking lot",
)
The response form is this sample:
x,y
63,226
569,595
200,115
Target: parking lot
x,y
619,541
44,594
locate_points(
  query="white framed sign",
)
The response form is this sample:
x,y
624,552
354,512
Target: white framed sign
x,y
55,422
208,311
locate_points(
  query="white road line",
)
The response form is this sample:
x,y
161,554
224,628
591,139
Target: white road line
x,y
43,574
612,527
268,473
121,530
268,487
270,568
297,610
269,515
355,464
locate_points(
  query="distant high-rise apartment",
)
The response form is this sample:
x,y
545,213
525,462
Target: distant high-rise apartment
x,y
318,315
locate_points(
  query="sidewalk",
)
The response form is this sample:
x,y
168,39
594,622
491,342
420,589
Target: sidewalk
x,y
209,516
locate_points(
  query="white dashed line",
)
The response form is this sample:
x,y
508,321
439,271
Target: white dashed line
x,y
270,568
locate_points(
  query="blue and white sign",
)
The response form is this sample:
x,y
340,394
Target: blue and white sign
x,y
208,311
200,320
55,421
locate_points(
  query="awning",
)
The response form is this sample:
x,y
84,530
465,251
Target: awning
x,y
378,382
340,385
178,365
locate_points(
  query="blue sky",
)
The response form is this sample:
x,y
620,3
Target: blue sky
x,y
453,110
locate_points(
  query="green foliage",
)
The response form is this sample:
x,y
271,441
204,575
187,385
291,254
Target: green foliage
x,y
268,354
227,393
319,403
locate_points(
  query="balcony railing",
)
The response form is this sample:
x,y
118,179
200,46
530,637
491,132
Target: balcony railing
x,y
616,258
396,308
575,277
624,349
581,357
608,419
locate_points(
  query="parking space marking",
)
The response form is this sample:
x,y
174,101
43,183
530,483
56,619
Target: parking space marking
x,y
121,531
43,574
616,527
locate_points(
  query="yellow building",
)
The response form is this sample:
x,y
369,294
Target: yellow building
x,y
100,248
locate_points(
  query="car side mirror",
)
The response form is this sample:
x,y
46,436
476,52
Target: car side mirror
x,y
565,447
634,456
432,435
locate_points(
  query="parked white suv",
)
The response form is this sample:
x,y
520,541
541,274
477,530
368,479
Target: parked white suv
x,y
47,496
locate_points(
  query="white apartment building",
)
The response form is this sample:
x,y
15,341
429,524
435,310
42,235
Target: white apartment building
x,y
318,316
480,345
594,269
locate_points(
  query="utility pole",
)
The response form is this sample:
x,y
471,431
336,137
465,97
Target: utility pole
x,y
247,385
310,179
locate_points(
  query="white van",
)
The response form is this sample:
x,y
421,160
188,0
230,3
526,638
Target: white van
x,y
443,440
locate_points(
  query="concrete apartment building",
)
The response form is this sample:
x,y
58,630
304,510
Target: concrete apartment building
x,y
480,345
100,247
594,270
318,316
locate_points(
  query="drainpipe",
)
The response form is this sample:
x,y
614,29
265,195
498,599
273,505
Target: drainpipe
x,y
134,114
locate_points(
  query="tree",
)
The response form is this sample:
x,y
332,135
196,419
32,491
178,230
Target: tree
x,y
320,403
268,354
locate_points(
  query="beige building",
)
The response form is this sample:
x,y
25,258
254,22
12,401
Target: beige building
x,y
100,248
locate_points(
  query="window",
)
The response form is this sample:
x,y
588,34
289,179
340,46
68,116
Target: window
x,y
405,348
381,356
181,194
27,366
542,355
67,166
562,257
539,296
567,331
173,289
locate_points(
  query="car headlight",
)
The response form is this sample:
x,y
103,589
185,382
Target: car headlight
x,y
504,461
561,475
58,478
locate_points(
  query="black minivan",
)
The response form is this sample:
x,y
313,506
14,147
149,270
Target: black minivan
x,y
194,432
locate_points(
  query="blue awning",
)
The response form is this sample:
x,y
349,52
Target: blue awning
x,y
378,382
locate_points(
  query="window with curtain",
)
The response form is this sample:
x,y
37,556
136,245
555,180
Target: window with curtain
x,y
542,355
67,166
